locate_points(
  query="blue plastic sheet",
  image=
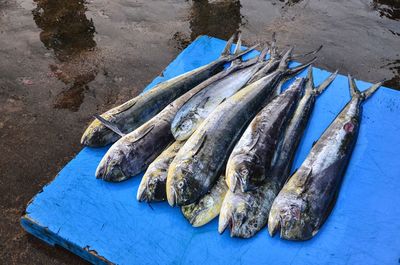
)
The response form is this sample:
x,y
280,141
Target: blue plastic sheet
x,y
103,222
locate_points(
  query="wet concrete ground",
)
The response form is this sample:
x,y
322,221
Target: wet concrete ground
x,y
63,61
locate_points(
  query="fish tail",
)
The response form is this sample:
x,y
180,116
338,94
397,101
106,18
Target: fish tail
x,y
238,44
297,56
310,82
227,48
238,64
324,85
263,54
355,92
283,64
226,53
294,71
274,50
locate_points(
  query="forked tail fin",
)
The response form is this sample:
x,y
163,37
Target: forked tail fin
x,y
355,92
310,81
226,53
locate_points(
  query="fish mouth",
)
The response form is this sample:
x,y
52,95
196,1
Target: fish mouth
x,y
110,174
291,224
223,223
233,182
172,196
141,195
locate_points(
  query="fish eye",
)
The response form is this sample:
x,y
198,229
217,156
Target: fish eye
x,y
244,172
180,184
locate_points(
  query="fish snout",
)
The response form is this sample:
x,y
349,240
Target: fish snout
x,y
142,192
110,170
291,220
225,219
171,195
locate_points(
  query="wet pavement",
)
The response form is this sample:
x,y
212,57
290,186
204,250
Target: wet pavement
x,y
63,61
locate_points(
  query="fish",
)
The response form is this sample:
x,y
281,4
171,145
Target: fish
x,y
250,161
255,204
193,112
208,207
246,213
135,112
306,200
133,152
286,150
200,160
152,185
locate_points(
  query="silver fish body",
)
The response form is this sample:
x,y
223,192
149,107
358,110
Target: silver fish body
x,y
201,159
152,185
286,150
260,199
250,161
208,207
135,112
193,113
306,200
131,154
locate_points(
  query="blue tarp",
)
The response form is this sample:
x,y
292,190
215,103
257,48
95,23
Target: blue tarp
x,y
103,222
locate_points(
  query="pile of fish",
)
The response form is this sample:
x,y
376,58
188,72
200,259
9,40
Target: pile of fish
x,y
221,141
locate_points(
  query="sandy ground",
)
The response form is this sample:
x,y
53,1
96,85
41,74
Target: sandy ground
x,y
63,61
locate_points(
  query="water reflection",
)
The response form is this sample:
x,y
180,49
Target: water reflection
x,y
69,33
395,68
217,18
387,8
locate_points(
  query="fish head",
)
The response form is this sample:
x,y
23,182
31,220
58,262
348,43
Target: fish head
x,y
243,171
235,213
290,215
182,188
97,135
201,212
110,167
152,187
186,126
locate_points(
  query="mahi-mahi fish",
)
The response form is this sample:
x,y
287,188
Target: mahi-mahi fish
x,y
208,207
193,112
199,162
247,212
135,112
284,155
250,161
152,185
131,154
308,197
